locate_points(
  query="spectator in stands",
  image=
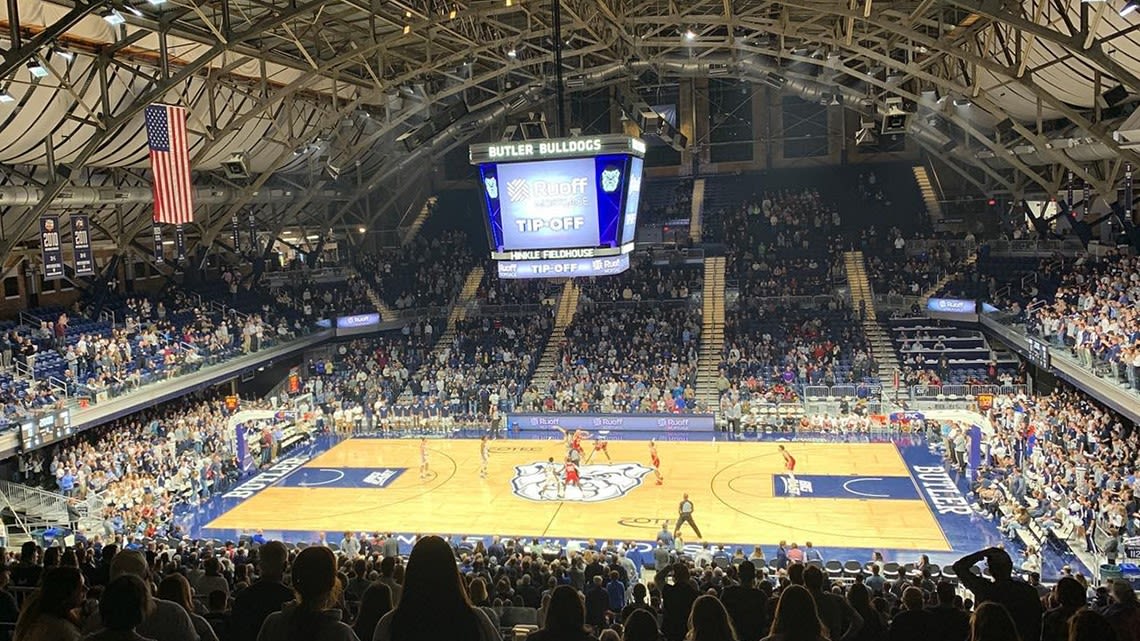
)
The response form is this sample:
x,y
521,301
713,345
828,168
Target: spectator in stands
x,y
9,610
1123,611
746,604
709,621
125,604
166,620
1018,599
434,604
217,614
176,588
948,622
49,614
677,597
840,619
992,622
27,572
913,621
874,624
565,618
1089,625
641,625
212,579
374,604
266,595
1070,595
796,618
309,616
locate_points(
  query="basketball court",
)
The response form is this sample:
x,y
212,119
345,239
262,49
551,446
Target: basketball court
x,y
846,495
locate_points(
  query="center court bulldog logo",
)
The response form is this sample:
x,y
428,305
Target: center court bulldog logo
x,y
598,482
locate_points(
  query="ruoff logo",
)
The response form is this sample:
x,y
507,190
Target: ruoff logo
x,y
518,190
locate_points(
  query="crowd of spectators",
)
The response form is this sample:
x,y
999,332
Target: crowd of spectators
x,y
770,352
901,273
361,588
1068,464
422,273
1094,313
495,291
645,281
312,301
485,367
142,467
637,357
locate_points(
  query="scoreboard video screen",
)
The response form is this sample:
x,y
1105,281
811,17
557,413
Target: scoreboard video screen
x,y
564,207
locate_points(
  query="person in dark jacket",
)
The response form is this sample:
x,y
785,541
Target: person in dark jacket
x,y
746,605
676,600
912,622
597,602
1019,599
948,621
1055,623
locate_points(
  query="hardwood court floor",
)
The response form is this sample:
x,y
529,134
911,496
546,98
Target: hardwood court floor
x,y
731,484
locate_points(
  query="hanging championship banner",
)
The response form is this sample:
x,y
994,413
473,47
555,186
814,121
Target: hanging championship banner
x,y
179,243
1071,204
81,246
1128,190
158,253
236,233
1088,199
252,232
49,245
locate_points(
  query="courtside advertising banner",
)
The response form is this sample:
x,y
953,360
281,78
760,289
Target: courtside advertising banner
x,y
49,245
614,422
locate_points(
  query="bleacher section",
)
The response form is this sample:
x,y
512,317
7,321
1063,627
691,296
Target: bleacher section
x,y
953,355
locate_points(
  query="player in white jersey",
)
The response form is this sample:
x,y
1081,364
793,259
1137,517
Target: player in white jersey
x,y
484,456
423,459
550,479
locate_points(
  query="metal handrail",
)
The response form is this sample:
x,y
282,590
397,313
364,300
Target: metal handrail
x,y
58,385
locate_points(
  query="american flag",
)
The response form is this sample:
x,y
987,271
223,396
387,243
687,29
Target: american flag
x,y
170,163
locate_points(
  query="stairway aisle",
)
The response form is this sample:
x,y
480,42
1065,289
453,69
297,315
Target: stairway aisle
x,y
464,302
929,196
862,297
409,232
697,210
712,333
563,316
929,293
386,312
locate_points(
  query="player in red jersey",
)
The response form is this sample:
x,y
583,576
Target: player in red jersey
x,y
790,466
600,445
571,472
656,461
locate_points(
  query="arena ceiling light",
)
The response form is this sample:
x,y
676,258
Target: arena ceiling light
x,y
1129,8
690,35
37,68
6,97
113,17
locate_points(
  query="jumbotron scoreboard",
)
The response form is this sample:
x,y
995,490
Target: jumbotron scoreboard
x,y
561,207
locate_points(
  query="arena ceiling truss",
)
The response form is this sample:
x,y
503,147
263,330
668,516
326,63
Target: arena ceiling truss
x,y
315,95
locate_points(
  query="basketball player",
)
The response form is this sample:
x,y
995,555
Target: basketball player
x,y
484,456
790,466
600,445
656,461
550,481
423,459
571,470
